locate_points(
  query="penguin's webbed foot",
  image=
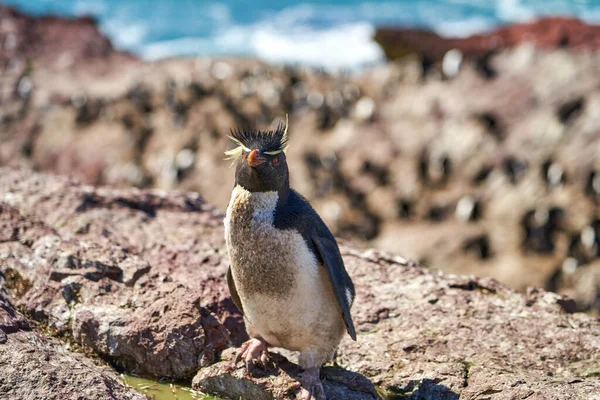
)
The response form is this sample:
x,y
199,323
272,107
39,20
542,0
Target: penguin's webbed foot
x,y
255,354
310,385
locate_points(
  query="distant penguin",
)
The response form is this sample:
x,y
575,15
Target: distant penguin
x,y
287,275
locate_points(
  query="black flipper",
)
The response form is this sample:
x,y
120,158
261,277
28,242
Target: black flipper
x,y
234,294
340,281
296,213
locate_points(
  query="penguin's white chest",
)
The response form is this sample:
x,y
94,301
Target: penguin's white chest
x,y
285,293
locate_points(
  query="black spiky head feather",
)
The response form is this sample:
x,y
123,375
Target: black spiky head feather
x,y
270,142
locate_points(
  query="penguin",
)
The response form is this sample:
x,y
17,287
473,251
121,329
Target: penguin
x,y
286,273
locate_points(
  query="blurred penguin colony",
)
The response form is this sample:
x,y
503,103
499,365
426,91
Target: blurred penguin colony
x,y
477,156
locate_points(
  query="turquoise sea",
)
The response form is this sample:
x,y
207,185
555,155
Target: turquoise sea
x,y
333,33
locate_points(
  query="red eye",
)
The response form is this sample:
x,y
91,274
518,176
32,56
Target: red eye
x,y
275,160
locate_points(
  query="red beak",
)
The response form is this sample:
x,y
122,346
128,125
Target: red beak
x,y
255,159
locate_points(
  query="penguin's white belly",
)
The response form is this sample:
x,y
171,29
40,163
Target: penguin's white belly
x,y
303,319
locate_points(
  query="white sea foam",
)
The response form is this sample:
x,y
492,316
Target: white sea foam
x,y
285,37
465,27
348,45
345,46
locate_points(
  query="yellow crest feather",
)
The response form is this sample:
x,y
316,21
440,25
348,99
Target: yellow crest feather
x,y
284,138
237,151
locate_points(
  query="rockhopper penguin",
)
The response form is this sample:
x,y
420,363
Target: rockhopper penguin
x,y
286,276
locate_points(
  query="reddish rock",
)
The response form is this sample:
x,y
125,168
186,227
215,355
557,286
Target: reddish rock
x,y
53,40
400,42
33,366
428,334
425,334
137,277
279,382
546,33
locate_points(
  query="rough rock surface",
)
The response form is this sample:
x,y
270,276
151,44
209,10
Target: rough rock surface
x,y
33,366
427,335
135,277
491,171
138,277
278,382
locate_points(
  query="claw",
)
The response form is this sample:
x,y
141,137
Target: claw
x,y
264,359
254,353
310,385
242,351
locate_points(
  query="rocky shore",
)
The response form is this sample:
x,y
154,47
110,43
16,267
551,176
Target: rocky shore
x,y
137,278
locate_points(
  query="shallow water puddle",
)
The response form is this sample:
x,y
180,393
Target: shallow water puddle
x,y
164,390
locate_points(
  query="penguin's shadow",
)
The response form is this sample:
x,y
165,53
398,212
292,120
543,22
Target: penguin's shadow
x,y
340,383
421,390
337,381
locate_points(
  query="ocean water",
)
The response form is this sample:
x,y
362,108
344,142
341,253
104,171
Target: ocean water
x,y
330,34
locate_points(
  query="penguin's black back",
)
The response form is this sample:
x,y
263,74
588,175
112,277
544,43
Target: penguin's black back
x,y
296,213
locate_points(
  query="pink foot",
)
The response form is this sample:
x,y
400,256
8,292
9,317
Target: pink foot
x,y
310,384
254,352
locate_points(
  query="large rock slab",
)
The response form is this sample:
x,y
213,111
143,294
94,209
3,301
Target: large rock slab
x,y
33,366
278,382
431,335
137,277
